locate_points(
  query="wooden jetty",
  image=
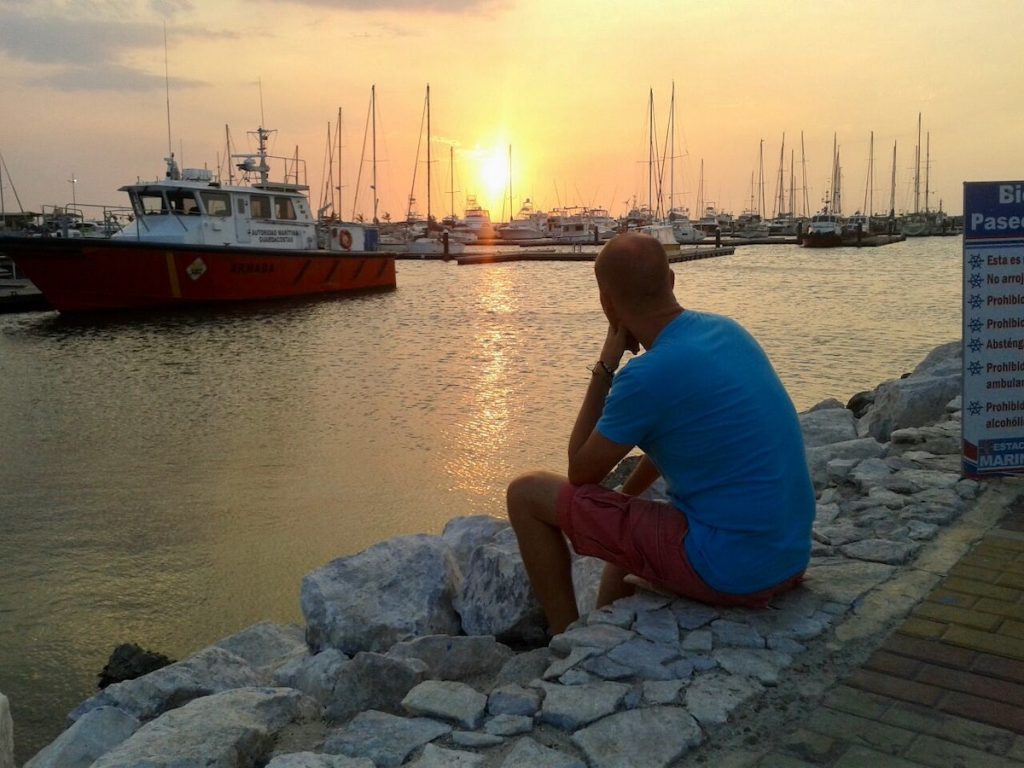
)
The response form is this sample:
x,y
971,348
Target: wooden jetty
x,y
683,254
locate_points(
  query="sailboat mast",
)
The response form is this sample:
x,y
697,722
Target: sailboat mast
x,y
917,168
428,159
760,180
510,183
650,153
870,181
792,184
781,184
803,167
700,190
338,209
451,170
892,185
927,167
672,151
373,112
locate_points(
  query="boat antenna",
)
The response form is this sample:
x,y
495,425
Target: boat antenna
x,y
4,169
167,91
263,120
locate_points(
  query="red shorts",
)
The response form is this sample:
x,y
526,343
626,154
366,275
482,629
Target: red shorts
x,y
645,538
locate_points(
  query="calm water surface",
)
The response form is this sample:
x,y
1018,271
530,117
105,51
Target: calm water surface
x,y
167,479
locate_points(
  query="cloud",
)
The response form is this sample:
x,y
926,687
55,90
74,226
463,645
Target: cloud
x,y
88,45
429,6
109,77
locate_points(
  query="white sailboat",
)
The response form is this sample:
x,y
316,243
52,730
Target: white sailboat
x,y
433,243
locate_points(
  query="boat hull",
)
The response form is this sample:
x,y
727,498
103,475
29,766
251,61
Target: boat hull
x,y
821,240
84,275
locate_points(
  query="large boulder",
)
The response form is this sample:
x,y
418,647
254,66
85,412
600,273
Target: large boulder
x,y
372,681
95,734
316,676
267,646
465,534
917,399
496,597
819,457
209,671
455,658
6,734
224,730
393,591
825,426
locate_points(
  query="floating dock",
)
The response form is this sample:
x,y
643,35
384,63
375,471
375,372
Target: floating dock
x,y
683,254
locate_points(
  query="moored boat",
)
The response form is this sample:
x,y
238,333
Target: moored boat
x,y
196,241
825,230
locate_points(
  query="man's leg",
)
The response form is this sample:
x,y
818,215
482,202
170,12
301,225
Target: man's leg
x,y
613,585
531,509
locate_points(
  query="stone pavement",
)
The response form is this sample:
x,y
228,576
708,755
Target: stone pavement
x,y
945,689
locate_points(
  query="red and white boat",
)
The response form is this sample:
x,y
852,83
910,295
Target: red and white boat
x,y
196,241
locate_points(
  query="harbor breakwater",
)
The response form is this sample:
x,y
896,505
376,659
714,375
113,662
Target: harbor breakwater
x,y
429,650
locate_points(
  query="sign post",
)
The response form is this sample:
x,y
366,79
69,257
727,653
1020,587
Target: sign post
x,y
993,329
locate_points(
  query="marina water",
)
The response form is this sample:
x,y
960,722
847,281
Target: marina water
x,y
167,479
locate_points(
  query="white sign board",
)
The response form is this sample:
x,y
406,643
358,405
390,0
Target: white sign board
x,y
993,333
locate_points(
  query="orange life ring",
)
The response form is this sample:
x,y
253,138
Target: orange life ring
x,y
345,239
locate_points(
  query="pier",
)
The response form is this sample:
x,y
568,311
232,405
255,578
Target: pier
x,y
683,254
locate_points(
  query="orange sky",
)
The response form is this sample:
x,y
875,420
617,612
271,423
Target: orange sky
x,y
565,83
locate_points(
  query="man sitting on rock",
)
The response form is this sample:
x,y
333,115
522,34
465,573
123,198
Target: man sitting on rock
x,y
712,417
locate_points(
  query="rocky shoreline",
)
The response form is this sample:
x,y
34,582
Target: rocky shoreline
x,y
430,650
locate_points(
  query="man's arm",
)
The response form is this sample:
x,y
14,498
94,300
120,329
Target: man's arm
x,y
640,479
591,455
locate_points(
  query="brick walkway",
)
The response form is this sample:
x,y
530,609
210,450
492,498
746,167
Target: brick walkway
x,y
946,689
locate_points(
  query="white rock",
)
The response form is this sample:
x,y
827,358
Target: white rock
x,y
764,665
496,597
735,633
524,667
607,669
393,591
527,753
509,725
315,676
435,757
642,600
266,646
661,691
318,760
6,734
513,700
612,614
603,636
222,730
385,739
465,534
645,658
211,670
477,740
818,458
658,626
919,531
560,666
918,399
691,615
712,697
654,738
91,737
447,700
451,657
699,640
571,707
881,550
827,426
841,580
372,681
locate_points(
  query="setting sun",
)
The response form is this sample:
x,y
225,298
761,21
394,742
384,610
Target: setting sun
x,y
491,174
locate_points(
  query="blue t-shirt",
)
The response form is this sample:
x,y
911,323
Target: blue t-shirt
x,y
705,404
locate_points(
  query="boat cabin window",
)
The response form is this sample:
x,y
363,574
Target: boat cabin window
x,y
216,203
283,208
149,203
183,202
260,205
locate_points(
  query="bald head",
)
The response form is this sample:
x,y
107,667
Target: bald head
x,y
633,272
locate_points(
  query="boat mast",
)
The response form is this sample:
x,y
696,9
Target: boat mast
x,y
428,159
700,190
869,184
792,184
803,166
650,153
760,180
781,183
338,209
510,183
672,151
373,113
917,168
451,168
927,167
892,185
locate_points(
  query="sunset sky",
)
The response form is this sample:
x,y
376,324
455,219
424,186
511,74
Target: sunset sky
x,y
564,82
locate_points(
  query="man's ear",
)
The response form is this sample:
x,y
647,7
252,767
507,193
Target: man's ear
x,y
609,309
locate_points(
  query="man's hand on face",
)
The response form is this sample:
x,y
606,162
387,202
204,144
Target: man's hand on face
x,y
618,340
